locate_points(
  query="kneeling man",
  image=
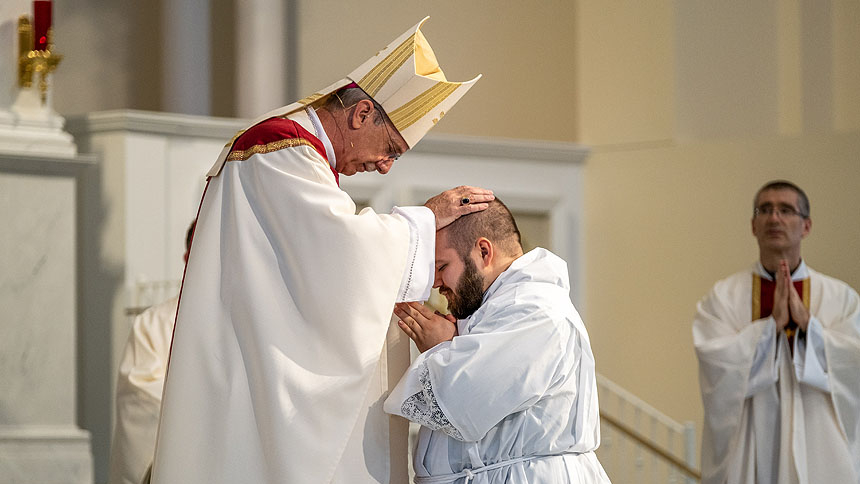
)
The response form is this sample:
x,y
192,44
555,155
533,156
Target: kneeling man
x,y
505,393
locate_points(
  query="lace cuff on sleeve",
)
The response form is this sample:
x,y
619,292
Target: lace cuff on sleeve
x,y
423,408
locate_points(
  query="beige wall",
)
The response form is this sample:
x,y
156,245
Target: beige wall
x,y
624,72
664,224
525,52
728,96
114,53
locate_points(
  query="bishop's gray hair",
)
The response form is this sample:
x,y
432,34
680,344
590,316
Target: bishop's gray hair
x,y
348,97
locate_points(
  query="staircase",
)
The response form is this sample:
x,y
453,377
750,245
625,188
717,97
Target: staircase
x,y
640,445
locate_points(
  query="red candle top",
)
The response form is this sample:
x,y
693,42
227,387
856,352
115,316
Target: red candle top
x,y
41,23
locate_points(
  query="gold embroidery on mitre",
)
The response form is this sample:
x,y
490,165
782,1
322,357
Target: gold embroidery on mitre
x,y
241,155
376,77
409,113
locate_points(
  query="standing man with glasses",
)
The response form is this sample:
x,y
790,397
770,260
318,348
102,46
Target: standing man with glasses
x,y
779,361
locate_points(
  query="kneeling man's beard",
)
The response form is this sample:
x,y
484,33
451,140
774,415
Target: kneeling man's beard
x,y
469,293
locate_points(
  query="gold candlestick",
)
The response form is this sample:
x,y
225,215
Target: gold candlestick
x,y
30,62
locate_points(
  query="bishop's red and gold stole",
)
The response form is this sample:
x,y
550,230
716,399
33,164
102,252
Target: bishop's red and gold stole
x,y
762,301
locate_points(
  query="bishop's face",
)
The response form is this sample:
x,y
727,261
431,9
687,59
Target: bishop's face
x,y
457,278
778,224
375,146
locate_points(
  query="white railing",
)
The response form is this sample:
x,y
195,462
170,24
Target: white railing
x,y
640,445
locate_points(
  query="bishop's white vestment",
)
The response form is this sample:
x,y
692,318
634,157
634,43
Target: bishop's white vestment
x,y
513,397
285,304
138,392
778,410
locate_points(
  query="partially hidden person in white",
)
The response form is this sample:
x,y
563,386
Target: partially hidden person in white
x,y
139,386
288,291
779,361
504,387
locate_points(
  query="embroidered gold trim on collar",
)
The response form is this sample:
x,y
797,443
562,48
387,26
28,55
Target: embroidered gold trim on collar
x,y
267,148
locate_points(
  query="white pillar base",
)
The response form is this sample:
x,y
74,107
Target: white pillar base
x,y
32,127
45,455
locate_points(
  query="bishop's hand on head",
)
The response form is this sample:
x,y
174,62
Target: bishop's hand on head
x,y
452,204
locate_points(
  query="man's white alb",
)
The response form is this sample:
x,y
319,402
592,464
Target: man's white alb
x,y
513,398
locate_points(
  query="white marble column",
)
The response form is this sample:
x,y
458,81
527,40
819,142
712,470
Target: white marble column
x,y
261,56
187,83
27,124
40,441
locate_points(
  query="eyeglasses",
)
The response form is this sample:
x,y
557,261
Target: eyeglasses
x,y
782,212
393,154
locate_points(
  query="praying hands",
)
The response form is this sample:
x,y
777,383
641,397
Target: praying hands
x,y
424,326
787,303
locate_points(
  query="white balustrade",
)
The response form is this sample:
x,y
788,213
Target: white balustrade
x,y
640,444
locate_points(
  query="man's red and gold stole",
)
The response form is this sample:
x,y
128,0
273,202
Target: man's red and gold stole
x,y
762,300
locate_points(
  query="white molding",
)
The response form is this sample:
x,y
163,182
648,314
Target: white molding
x,y
224,128
44,433
39,454
520,149
37,140
169,124
44,164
